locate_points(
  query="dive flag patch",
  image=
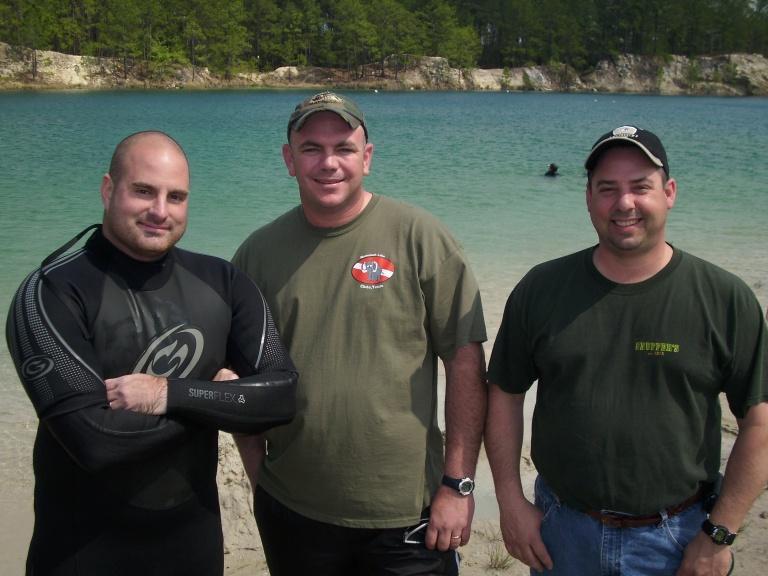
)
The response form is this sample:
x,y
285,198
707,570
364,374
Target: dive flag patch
x,y
373,269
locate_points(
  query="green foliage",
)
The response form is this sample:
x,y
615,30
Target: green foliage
x,y
730,74
353,35
226,35
692,73
445,36
498,557
505,82
527,82
225,38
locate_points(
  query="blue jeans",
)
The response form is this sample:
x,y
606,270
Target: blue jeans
x,y
582,546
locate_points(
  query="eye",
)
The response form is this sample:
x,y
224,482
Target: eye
x,y
177,197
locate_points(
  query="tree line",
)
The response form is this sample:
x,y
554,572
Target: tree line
x,y
232,35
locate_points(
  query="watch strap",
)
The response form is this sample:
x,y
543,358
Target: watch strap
x,y
464,486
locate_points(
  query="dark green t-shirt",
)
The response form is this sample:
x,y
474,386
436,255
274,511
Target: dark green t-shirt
x,y
627,415
365,310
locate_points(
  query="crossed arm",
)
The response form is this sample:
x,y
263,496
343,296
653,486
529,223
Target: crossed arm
x,y
240,405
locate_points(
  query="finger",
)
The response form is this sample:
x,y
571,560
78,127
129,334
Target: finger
x,y
541,554
430,537
225,374
444,540
531,560
524,554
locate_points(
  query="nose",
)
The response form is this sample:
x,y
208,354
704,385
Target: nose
x,y
329,161
625,201
159,208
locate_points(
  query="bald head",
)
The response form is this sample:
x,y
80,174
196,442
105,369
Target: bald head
x,y
146,195
117,164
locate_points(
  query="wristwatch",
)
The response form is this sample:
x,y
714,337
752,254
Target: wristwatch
x,y
463,486
719,534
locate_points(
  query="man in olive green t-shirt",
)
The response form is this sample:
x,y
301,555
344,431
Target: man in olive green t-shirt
x,y
367,293
631,342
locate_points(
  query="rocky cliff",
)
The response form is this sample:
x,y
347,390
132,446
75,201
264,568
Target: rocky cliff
x,y
727,75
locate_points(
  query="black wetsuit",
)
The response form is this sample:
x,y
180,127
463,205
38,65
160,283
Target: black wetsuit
x,y
118,492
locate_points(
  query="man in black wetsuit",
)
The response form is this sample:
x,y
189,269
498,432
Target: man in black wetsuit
x,y
130,321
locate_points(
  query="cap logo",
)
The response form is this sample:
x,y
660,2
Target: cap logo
x,y
625,132
325,98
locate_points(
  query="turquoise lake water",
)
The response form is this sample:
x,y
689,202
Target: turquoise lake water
x,y
474,159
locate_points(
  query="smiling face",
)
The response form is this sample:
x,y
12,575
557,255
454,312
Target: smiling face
x,y
329,160
628,201
145,209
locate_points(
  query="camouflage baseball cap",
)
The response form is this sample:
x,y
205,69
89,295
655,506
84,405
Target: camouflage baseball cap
x,y
327,102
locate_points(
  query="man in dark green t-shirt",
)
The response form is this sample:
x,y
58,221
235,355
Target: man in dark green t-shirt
x,y
368,293
631,343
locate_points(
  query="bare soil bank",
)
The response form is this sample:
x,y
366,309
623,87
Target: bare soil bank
x,y
726,75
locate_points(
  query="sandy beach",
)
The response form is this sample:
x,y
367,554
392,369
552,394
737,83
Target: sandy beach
x,y
484,554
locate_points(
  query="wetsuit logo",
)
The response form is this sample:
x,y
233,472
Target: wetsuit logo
x,y
174,353
36,367
373,269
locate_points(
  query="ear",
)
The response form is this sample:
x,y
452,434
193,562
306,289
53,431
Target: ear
x,y
107,187
588,196
670,191
288,159
367,158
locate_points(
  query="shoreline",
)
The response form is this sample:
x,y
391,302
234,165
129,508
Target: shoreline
x,y
722,75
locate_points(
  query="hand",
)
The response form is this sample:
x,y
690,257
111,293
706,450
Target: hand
x,y
521,530
139,393
225,374
252,450
451,516
702,557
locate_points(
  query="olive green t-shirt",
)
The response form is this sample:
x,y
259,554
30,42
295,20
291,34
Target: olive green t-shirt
x,y
365,309
627,415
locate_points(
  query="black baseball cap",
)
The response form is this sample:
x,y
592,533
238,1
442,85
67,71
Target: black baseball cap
x,y
645,140
327,102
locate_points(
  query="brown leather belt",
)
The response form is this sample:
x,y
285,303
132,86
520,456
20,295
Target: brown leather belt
x,y
626,521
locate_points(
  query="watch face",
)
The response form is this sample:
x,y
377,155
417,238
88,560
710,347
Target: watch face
x,y
719,534
466,486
